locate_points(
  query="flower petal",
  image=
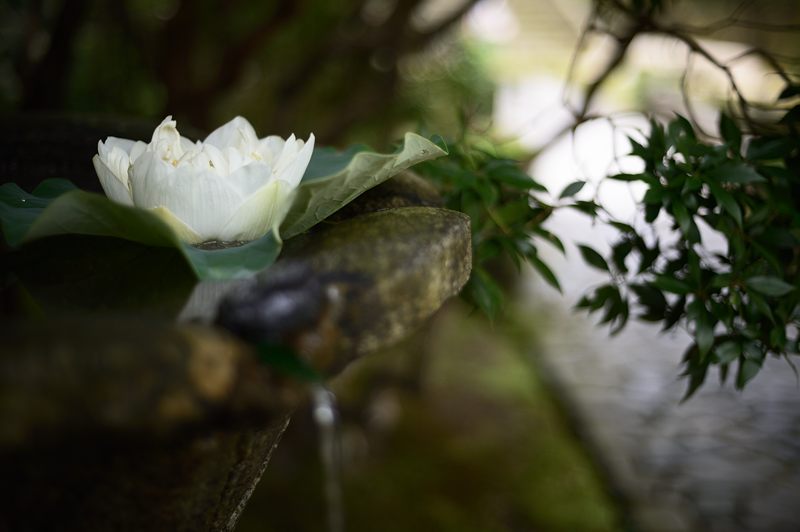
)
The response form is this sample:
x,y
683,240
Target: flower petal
x,y
137,149
260,213
167,141
201,199
250,178
270,148
118,162
293,172
111,142
112,185
288,154
183,231
237,133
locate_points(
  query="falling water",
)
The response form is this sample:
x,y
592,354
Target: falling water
x,y
326,418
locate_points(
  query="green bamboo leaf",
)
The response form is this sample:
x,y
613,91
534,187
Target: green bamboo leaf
x,y
333,184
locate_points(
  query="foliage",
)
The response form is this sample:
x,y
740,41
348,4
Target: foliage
x,y
280,63
344,177
496,194
740,305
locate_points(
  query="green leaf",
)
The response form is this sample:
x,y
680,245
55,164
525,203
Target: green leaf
x,y
572,189
619,252
703,332
514,212
639,150
679,128
485,293
675,313
632,177
727,201
730,132
696,370
761,306
747,370
487,191
551,238
593,258
728,351
28,217
769,286
778,174
622,227
657,141
736,173
682,216
545,271
81,273
509,173
587,207
327,161
768,148
651,299
648,255
319,197
653,196
671,284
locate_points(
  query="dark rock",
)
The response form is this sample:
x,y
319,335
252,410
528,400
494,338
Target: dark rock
x,y
353,287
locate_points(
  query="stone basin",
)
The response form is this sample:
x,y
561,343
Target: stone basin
x,y
137,422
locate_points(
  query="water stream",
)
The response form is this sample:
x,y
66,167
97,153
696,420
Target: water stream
x,y
327,419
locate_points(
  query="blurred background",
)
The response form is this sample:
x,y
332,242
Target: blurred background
x,y
535,421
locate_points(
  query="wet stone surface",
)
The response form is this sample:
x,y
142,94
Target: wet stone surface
x,y
722,461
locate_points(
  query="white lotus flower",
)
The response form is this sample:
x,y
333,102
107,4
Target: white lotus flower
x,y
232,186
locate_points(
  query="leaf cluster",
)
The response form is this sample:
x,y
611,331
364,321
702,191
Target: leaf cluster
x,y
740,305
506,217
